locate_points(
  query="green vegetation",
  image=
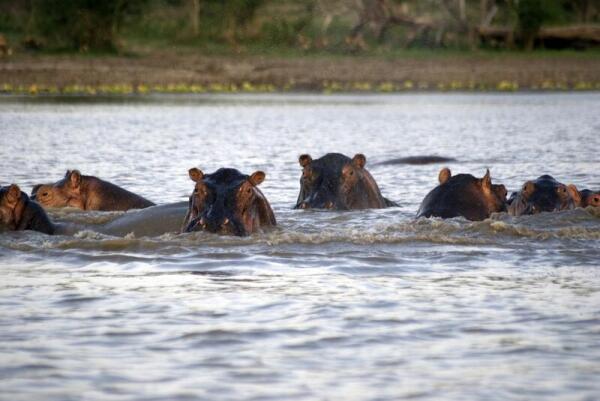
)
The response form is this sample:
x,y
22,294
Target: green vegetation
x,y
331,26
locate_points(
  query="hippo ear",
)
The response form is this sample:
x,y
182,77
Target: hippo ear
x,y
257,178
196,174
575,194
13,194
486,181
304,160
444,175
75,178
35,189
359,160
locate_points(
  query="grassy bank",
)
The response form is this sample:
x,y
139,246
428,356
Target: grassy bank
x,y
222,70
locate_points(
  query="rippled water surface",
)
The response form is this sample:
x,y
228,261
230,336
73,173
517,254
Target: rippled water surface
x,y
370,305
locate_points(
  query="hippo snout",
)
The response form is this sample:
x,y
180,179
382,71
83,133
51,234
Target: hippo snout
x,y
215,226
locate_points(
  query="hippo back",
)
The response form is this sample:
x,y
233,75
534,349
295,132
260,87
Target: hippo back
x,y
87,193
463,195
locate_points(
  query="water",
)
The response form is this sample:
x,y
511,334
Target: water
x,y
370,305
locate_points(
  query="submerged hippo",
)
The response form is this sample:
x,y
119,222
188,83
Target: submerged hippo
x,y
87,193
418,160
585,197
227,202
19,213
337,182
544,194
463,195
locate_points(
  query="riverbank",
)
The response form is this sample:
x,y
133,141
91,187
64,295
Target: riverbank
x,y
176,71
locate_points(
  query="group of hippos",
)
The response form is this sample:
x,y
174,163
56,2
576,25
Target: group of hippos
x,y
229,202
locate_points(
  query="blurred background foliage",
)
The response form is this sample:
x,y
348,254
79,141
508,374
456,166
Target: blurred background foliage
x,y
348,26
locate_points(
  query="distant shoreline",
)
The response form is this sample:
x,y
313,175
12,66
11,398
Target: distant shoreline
x,y
172,72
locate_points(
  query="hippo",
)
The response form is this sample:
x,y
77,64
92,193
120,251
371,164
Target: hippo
x,y
543,194
87,193
26,214
585,197
19,213
417,160
227,202
463,195
337,182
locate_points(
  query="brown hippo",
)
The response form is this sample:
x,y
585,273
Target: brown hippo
x,y
87,193
543,194
463,195
337,182
585,197
227,202
18,212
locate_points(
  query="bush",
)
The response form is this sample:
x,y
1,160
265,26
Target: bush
x,y
81,24
532,14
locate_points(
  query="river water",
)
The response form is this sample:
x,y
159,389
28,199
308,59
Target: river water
x,y
369,305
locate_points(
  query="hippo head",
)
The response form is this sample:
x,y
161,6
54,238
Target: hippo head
x,y
9,199
585,197
337,182
63,193
227,202
544,194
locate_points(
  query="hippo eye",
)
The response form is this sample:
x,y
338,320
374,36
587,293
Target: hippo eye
x,y
45,194
561,190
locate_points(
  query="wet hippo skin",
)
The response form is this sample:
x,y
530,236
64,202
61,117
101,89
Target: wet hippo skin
x,y
18,212
87,193
227,202
417,160
338,182
544,194
148,222
463,195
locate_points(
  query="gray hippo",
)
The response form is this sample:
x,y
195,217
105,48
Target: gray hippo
x,y
585,197
87,193
19,213
227,202
338,182
463,195
417,160
543,194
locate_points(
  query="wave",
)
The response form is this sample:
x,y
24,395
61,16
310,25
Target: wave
x,y
576,225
